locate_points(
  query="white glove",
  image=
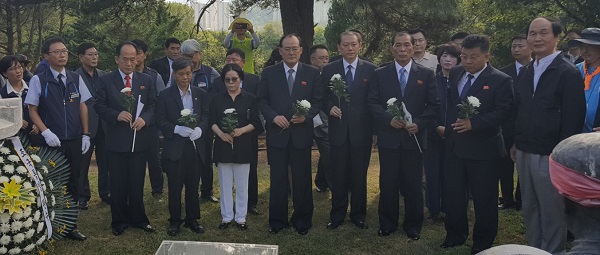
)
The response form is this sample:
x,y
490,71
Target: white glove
x,y
183,131
51,139
196,134
85,144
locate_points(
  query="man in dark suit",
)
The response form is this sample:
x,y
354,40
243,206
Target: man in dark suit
x,y
401,143
184,149
163,65
474,145
522,54
88,56
351,133
289,137
550,106
250,84
127,168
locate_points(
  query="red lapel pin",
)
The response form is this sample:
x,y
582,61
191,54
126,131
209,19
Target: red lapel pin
x,y
303,83
486,87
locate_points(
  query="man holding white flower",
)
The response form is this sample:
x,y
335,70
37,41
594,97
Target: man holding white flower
x,y
184,146
351,131
123,131
401,139
480,102
289,134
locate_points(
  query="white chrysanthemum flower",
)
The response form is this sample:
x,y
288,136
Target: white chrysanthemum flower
x,y
53,200
185,112
391,101
27,185
41,177
45,169
16,178
4,150
3,250
41,240
474,101
40,227
36,158
9,169
4,227
36,215
51,185
29,247
229,111
19,237
17,216
4,179
305,104
14,251
4,240
52,215
27,212
28,223
16,226
13,158
29,233
4,217
21,170
336,76
1,160
126,90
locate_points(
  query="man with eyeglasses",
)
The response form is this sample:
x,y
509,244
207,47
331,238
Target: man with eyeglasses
x,y
289,136
319,56
155,171
57,106
421,55
88,56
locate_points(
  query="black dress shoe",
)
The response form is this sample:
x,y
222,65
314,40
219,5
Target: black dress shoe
x,y
118,231
194,227
224,225
302,231
332,225
361,224
76,235
413,236
321,189
274,230
252,210
383,233
173,229
448,244
83,205
242,226
210,198
147,228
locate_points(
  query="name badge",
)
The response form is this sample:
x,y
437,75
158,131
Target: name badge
x,y
72,96
202,84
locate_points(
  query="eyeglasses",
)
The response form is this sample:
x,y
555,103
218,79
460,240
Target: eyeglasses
x,y
294,49
59,52
15,68
232,80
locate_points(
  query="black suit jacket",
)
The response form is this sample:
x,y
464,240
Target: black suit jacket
x,y
508,127
356,121
274,99
168,112
420,98
93,119
161,65
494,91
250,84
119,135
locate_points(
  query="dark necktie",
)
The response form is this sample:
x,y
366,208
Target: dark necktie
x,y
290,80
463,93
349,79
61,83
402,80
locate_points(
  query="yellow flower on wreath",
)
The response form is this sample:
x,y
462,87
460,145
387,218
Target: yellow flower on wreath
x,y
14,198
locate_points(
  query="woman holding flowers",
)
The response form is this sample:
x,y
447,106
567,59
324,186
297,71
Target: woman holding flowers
x,y
182,116
233,118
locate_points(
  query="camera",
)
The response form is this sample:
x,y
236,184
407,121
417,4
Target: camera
x,y
241,26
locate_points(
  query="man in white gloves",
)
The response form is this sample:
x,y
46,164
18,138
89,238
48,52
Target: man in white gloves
x,y
56,100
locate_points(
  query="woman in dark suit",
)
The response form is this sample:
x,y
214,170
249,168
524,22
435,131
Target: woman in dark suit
x,y
232,148
12,70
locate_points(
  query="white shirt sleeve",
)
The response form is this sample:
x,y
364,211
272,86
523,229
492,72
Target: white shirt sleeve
x,y
35,91
84,93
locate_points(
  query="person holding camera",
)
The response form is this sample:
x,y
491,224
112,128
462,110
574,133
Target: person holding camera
x,y
240,27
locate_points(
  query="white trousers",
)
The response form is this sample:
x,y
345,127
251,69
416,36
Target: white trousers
x,y
230,173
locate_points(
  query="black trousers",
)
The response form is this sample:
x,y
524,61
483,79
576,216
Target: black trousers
x,y
434,158
348,174
84,183
206,189
253,175
321,179
300,162
481,178
400,169
72,151
103,172
184,172
154,165
127,171
507,182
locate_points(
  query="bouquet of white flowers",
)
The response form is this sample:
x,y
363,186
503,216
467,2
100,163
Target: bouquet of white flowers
x,y
301,108
188,119
229,122
394,109
468,109
339,88
127,100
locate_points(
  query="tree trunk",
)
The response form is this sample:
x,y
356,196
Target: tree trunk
x,y
297,17
10,37
36,12
19,27
62,18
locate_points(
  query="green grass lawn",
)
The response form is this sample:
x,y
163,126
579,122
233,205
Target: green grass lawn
x,y
95,223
